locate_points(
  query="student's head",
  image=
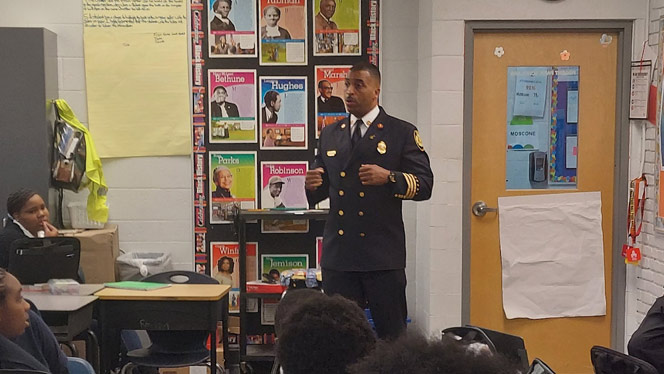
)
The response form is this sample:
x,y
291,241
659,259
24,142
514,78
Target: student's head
x,y
290,301
272,14
413,353
222,7
13,309
219,94
276,184
223,177
327,8
325,88
274,274
362,88
324,336
272,100
226,265
29,209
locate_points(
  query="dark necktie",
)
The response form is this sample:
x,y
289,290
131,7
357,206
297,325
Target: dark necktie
x,y
357,133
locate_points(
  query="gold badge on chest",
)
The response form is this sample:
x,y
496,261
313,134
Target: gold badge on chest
x,y
331,153
382,147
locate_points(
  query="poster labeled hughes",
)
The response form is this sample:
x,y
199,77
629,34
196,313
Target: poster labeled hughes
x,y
330,86
232,28
232,184
337,28
283,32
225,267
232,106
282,186
283,112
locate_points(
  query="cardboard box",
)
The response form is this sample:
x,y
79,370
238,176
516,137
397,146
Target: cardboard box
x,y
99,249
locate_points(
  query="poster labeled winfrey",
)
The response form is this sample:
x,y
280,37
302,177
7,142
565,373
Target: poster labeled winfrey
x,y
232,106
232,28
283,112
330,86
232,184
337,28
282,187
225,268
283,30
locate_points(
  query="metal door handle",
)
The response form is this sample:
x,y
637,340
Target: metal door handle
x,y
480,208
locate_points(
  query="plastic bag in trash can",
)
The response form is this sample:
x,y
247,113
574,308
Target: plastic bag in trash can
x,y
138,265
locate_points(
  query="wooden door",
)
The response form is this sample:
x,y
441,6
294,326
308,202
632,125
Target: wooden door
x,y
564,343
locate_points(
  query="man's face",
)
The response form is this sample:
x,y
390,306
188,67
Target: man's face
x,y
277,103
220,96
14,316
223,9
275,189
325,89
327,8
362,92
225,179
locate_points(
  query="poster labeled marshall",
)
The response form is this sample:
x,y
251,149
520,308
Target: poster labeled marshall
x,y
232,184
272,265
225,268
232,106
282,186
330,86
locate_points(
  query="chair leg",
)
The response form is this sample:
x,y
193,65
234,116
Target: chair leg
x,y
92,349
72,348
275,366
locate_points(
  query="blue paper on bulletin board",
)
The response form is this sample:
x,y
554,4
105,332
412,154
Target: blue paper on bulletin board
x,y
565,80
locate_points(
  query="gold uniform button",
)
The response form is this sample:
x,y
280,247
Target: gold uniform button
x,y
341,212
362,234
360,213
341,232
361,194
343,174
341,192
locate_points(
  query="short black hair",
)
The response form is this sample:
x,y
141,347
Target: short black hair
x,y
220,87
220,262
3,285
270,97
17,200
320,82
324,336
292,299
368,67
276,8
413,353
216,3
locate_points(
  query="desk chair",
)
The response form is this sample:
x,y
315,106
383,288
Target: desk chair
x,y
36,260
170,349
79,366
608,361
510,346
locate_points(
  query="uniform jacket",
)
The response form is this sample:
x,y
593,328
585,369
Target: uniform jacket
x,y
219,25
647,341
364,230
231,109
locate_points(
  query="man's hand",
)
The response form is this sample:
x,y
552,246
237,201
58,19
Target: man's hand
x,y
373,175
314,179
49,230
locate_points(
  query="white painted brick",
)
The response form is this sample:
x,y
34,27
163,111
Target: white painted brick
x,y
446,192
650,205
181,252
73,74
446,170
70,39
447,141
400,74
649,169
445,216
40,12
146,231
447,107
650,144
149,204
400,44
651,133
649,216
448,38
650,156
395,14
78,103
447,73
149,172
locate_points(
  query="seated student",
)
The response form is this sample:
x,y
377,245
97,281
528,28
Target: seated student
x,y
412,353
323,335
14,319
647,342
28,215
39,341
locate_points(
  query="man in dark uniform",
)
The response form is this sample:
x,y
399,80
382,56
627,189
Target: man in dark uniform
x,y
647,342
367,165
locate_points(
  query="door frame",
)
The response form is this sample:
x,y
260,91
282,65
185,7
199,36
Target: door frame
x,y
621,166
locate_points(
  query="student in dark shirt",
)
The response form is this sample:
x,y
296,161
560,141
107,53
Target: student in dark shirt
x,y
14,319
28,215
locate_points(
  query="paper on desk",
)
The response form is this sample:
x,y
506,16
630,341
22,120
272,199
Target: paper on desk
x,y
552,255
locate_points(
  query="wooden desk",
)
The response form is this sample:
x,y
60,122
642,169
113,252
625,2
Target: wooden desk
x,y
178,307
